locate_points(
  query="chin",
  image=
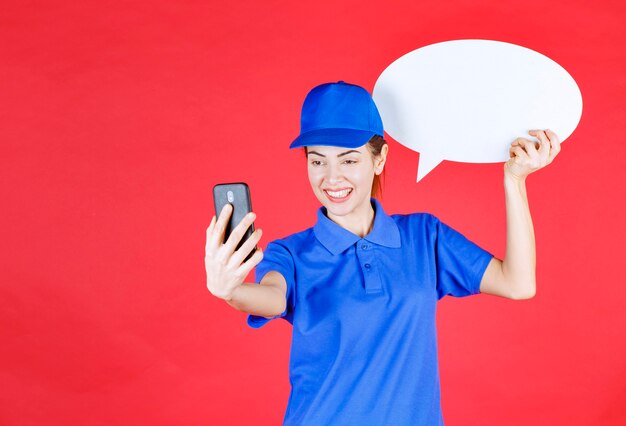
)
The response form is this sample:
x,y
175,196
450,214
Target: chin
x,y
339,209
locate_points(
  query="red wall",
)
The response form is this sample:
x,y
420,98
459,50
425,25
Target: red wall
x,y
117,118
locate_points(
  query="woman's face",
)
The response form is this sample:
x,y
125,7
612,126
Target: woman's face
x,y
342,178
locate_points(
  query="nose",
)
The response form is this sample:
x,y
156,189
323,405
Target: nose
x,y
334,175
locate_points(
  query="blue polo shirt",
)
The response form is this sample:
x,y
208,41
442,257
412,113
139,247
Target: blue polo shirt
x,y
364,343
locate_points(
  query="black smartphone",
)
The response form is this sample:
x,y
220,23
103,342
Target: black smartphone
x,y
238,195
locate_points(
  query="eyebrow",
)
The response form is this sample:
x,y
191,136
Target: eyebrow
x,y
338,155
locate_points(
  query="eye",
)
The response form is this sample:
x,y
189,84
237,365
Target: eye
x,y
350,162
316,163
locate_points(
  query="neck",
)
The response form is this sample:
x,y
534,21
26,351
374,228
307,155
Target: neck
x,y
359,222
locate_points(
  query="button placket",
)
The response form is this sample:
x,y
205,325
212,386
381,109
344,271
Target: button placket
x,y
368,266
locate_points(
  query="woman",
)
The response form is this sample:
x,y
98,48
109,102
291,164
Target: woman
x,y
360,287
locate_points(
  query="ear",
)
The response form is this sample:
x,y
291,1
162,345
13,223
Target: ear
x,y
379,164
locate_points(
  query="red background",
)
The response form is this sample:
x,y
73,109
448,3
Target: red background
x,y
117,118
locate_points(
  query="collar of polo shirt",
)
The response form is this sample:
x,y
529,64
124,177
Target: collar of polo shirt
x,y
337,239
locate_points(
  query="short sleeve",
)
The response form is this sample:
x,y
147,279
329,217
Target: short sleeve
x,y
460,262
276,257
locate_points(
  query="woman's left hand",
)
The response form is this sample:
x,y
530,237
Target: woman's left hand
x,y
529,156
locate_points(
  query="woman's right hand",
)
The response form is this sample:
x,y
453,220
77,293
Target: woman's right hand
x,y
224,268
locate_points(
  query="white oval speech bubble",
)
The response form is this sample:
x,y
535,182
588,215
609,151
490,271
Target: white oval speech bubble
x,y
467,100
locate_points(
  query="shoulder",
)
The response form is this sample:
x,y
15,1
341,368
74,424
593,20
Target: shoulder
x,y
294,242
416,221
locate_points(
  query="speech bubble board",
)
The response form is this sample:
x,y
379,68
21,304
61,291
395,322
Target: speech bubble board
x,y
468,100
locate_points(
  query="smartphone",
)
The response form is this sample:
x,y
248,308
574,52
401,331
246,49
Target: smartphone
x,y
237,194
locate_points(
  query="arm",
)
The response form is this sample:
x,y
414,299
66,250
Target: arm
x,y
267,299
514,277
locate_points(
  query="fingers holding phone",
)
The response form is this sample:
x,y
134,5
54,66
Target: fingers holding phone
x,y
241,234
238,250
218,227
231,255
227,269
246,265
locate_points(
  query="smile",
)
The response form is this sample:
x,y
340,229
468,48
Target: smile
x,y
338,196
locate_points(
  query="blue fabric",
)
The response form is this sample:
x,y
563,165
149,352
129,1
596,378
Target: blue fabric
x,y
364,344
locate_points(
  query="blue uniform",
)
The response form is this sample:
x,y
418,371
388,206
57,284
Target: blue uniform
x,y
364,346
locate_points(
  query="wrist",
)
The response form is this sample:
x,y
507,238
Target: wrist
x,y
511,178
230,298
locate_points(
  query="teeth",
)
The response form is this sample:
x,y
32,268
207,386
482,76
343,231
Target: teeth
x,y
339,194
